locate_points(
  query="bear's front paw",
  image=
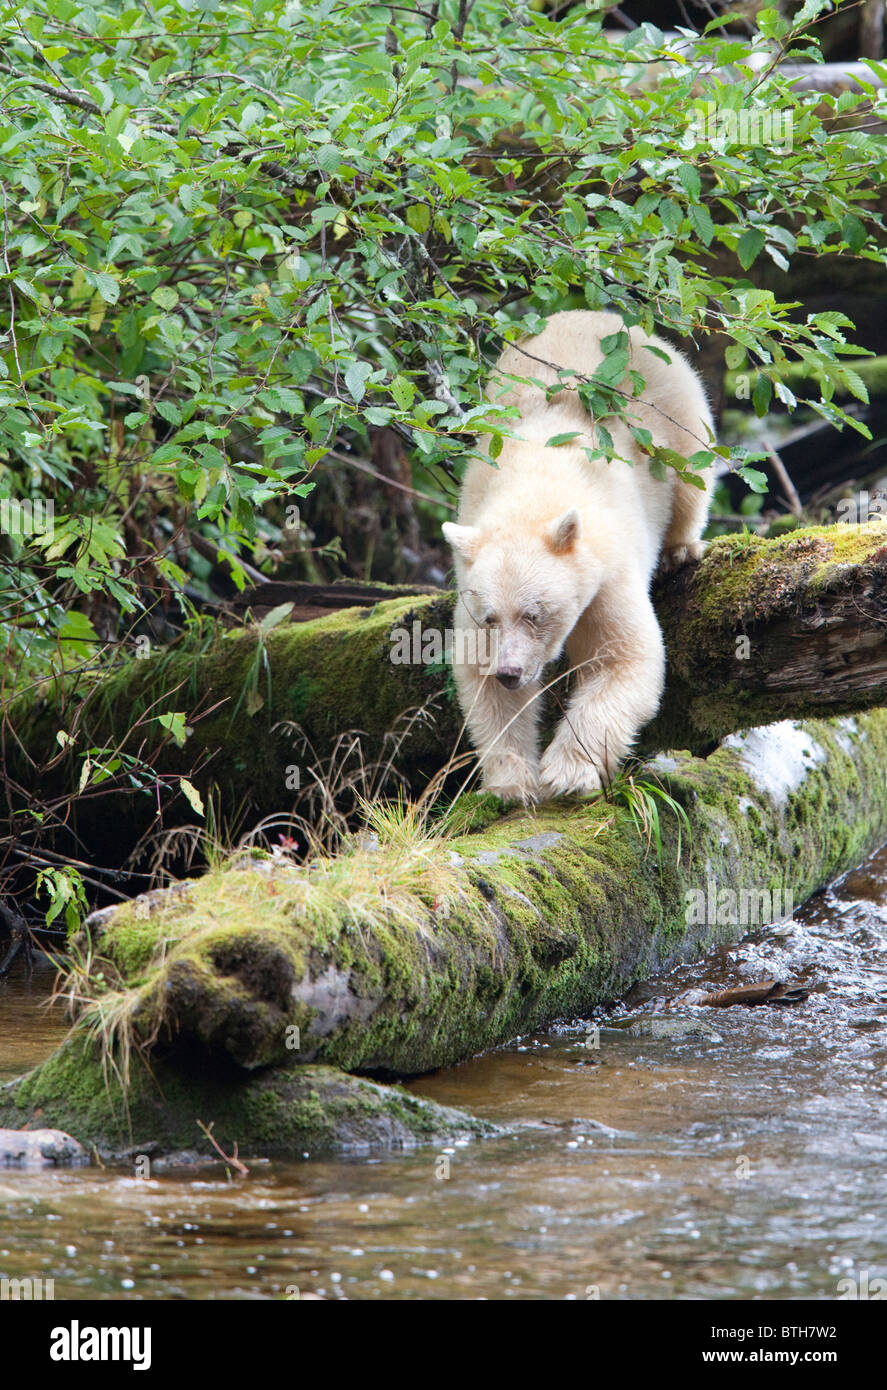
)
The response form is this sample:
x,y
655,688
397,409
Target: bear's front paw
x,y
566,770
512,778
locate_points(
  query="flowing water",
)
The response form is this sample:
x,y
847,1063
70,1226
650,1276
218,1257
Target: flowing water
x,y
680,1153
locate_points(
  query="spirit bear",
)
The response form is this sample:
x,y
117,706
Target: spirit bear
x,y
554,550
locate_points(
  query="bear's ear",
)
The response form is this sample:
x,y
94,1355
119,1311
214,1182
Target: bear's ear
x,y
462,539
564,534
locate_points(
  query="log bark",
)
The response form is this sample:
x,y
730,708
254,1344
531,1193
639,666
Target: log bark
x,y
871,29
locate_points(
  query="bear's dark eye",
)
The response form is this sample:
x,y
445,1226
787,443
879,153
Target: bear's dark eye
x,y
491,620
532,619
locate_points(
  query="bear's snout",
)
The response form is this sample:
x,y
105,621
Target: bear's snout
x,y
509,676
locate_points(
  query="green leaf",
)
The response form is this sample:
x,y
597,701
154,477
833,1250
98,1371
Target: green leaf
x,y
77,629
32,244
690,180
175,724
853,232
403,391
704,227
328,158
355,379
810,10
749,247
165,296
755,479
107,287
275,616
854,383
252,115
192,795
419,217
762,394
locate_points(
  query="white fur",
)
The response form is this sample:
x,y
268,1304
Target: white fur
x,y
552,550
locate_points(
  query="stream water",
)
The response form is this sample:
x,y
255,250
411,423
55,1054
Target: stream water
x,y
693,1153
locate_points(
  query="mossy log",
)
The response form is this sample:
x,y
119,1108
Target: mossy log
x,y
401,956
764,629
872,372
760,630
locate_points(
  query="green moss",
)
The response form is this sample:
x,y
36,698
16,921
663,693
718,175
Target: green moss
x,y
731,623
746,578
279,1112
476,810
299,697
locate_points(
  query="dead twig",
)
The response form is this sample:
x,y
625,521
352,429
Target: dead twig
x,y
233,1160
763,992
788,486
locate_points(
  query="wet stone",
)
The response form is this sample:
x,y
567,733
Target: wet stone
x,y
667,1029
39,1148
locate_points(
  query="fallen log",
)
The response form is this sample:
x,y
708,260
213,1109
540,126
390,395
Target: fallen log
x,y
416,951
759,631
764,629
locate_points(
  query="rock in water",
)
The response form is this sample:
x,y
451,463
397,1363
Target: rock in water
x,y
39,1148
667,1029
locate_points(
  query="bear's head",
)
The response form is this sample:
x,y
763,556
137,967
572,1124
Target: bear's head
x,y
527,586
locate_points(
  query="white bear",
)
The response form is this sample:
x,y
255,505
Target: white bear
x,y
552,549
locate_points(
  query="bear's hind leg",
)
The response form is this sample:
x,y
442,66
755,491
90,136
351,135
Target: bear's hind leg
x,y
689,515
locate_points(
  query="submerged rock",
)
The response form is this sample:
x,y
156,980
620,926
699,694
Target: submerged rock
x,y
276,1112
662,1029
